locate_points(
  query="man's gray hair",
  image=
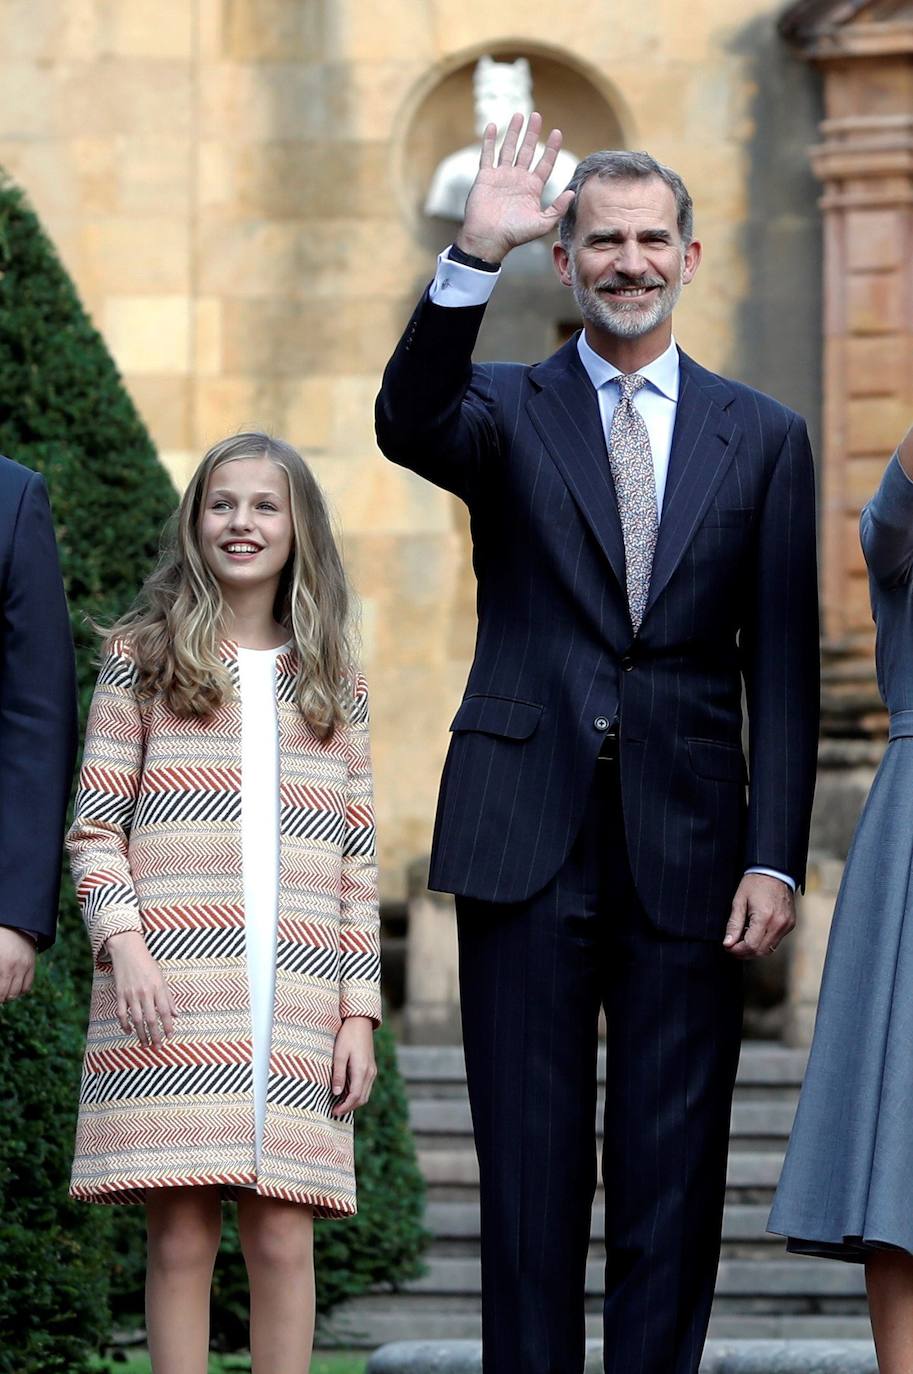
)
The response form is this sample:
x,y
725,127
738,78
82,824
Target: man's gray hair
x,y
614,165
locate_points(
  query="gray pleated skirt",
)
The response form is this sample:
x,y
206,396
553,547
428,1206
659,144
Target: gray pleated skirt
x,y
847,1183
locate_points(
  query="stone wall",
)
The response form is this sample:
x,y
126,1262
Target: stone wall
x,y
234,185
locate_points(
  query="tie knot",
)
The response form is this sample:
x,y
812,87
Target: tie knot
x,y
629,383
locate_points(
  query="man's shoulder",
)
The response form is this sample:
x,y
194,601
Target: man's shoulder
x,y
14,477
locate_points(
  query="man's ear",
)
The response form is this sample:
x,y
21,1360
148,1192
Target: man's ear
x,y
692,260
561,260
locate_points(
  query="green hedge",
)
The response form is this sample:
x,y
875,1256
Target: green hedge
x,y
65,412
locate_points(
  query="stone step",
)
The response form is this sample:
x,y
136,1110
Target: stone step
x,y
793,1277
762,1064
459,1221
355,1326
751,1120
739,1356
458,1166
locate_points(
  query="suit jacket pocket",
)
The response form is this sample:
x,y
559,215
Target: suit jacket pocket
x,y
717,760
497,716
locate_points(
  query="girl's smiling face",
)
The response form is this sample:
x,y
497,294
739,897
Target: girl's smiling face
x,y
246,524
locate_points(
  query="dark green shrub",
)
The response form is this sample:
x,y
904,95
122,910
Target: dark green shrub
x,y
53,1253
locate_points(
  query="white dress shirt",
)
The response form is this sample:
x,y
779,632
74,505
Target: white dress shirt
x,y
456,284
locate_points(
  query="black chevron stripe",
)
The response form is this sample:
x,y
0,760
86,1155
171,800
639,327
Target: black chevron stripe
x,y
169,1080
356,965
108,894
316,825
206,943
104,806
297,1092
314,963
117,672
160,807
360,841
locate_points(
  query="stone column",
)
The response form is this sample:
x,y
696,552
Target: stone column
x,y
864,162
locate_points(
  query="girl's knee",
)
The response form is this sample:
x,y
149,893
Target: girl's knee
x,y
183,1233
278,1237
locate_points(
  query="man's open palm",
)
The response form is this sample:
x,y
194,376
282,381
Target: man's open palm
x,y
504,207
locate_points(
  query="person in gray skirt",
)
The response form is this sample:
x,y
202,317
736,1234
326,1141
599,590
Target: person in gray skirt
x,y
846,1190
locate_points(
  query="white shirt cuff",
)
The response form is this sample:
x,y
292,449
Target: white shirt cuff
x,y
772,873
456,285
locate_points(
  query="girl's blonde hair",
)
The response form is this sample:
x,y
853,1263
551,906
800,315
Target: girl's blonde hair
x,y
175,625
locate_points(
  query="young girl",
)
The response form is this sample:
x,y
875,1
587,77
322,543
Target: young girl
x,y
223,852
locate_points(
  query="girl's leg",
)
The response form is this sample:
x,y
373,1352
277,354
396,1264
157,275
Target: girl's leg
x,y
183,1228
889,1281
278,1245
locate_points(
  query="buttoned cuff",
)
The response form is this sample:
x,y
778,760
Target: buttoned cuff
x,y
772,873
456,285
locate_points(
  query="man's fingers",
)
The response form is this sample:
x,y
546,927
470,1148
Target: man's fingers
x,y
489,139
738,919
543,168
530,141
559,205
509,146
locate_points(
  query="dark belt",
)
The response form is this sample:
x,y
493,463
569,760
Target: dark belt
x,y
608,750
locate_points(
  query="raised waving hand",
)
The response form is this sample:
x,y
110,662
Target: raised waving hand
x,y
504,207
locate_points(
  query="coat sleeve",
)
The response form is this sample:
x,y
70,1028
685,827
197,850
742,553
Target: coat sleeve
x,y
37,720
435,412
359,978
780,652
109,783
886,528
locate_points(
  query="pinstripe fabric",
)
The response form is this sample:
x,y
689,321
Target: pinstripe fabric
x,y
533,975
733,595
155,846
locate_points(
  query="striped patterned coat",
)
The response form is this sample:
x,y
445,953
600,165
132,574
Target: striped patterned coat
x,y
155,846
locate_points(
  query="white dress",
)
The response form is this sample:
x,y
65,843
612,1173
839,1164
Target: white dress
x,y
260,853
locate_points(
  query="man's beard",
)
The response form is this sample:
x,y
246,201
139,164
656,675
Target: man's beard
x,y
620,320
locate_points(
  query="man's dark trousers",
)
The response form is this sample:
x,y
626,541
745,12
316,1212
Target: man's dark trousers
x,y
533,975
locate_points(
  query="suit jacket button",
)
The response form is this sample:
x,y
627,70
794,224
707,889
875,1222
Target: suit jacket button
x,y
627,663
601,723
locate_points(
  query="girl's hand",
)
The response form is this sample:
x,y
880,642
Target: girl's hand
x,y
145,1007
354,1069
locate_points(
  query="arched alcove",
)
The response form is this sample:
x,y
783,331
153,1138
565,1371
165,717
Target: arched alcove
x,y
440,118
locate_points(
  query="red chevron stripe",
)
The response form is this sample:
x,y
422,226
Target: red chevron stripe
x,y
316,1071
173,1052
185,779
193,917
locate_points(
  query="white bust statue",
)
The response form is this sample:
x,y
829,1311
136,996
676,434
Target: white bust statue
x,y
500,89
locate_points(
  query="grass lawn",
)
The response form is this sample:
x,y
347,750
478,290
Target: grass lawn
x,y
336,1362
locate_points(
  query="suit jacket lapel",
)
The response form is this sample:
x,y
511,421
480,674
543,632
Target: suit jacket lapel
x,y
704,443
566,415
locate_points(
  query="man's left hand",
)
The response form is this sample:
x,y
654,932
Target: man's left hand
x,y
763,913
17,963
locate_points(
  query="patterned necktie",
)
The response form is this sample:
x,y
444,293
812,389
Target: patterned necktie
x,y
631,461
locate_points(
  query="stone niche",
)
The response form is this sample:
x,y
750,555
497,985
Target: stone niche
x,y
534,312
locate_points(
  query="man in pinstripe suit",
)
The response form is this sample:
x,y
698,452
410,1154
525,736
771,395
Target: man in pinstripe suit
x,y
644,544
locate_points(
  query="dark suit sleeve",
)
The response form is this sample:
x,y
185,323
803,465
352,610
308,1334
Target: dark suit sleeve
x,y
37,720
435,413
781,664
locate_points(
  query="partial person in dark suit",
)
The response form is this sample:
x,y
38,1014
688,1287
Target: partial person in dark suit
x,y
37,725
644,544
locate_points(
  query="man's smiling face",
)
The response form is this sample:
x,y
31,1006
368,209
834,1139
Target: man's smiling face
x,y
627,263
